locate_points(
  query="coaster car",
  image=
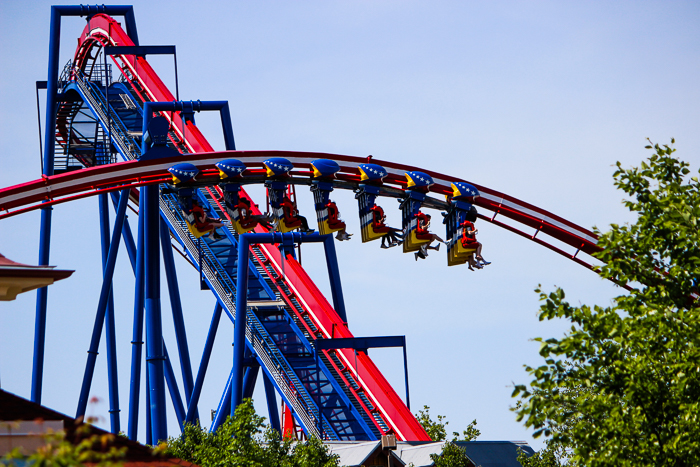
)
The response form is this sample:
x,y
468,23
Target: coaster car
x,y
459,219
285,212
327,212
414,222
238,208
372,218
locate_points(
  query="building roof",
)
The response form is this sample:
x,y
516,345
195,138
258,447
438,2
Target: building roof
x,y
16,278
354,453
418,455
495,453
481,453
15,408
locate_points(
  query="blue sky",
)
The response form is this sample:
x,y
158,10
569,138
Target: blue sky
x,y
535,99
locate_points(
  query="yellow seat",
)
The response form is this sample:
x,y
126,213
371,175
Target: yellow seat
x,y
235,217
282,227
324,229
458,254
412,242
368,233
195,231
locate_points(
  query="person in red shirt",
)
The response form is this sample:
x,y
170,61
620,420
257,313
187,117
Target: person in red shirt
x,y
469,241
246,217
292,217
204,223
392,237
422,233
334,221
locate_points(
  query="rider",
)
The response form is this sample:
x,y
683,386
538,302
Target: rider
x,y
204,223
247,219
334,221
292,217
422,233
469,241
392,235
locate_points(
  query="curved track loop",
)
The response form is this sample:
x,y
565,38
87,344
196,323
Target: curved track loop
x,y
102,30
65,187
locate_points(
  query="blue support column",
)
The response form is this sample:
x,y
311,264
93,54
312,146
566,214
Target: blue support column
x,y
49,138
319,415
206,354
45,232
405,374
154,328
249,380
334,276
173,389
244,242
240,322
136,259
41,304
102,305
178,318
129,243
227,127
149,431
137,340
110,331
271,397
126,234
224,408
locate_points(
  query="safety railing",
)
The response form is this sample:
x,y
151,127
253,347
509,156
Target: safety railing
x,y
109,119
264,346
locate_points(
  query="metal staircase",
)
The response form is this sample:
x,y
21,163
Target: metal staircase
x,y
109,119
260,342
277,333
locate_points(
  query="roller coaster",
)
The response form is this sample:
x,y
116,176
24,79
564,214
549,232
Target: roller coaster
x,y
130,139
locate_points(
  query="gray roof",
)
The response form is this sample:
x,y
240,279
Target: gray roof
x,y
495,453
419,455
481,453
353,453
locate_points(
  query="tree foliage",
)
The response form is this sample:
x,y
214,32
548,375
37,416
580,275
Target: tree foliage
x,y
437,429
244,440
94,450
546,457
452,455
622,387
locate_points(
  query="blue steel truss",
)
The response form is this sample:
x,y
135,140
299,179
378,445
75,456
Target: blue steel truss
x,y
274,336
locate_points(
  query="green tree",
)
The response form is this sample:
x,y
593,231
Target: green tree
x,y
313,453
86,449
452,455
546,457
245,440
556,452
622,387
437,429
